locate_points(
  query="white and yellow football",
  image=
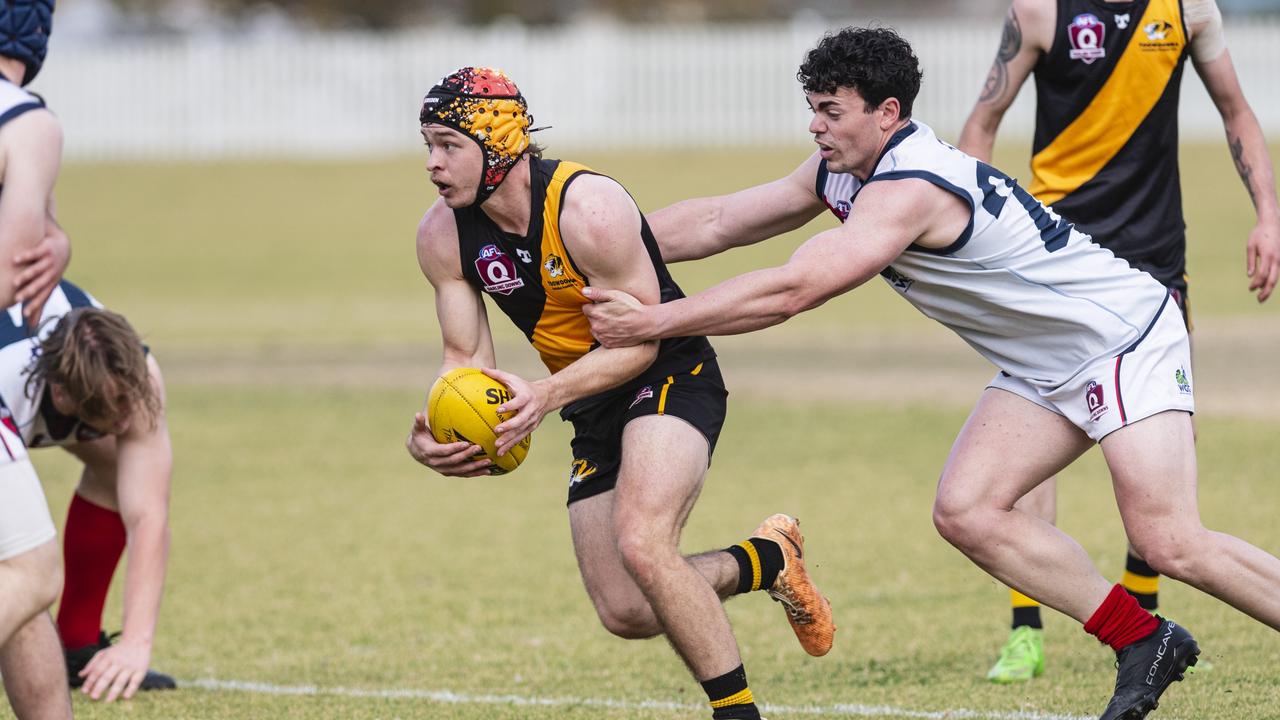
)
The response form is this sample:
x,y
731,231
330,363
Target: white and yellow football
x,y
463,407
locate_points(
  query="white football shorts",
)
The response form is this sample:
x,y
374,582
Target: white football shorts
x,y
25,523
1151,376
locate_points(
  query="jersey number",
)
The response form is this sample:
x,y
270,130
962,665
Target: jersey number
x,y
996,189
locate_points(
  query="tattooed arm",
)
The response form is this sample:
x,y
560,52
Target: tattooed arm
x,y
1028,32
1248,151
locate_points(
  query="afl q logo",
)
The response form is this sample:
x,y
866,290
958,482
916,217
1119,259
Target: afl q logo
x,y
1087,35
497,271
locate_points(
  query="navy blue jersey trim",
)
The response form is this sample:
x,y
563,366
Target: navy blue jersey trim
x,y
946,185
820,186
1154,320
894,142
17,110
76,297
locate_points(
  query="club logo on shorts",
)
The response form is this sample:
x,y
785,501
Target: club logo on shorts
x,y
581,470
645,393
1086,34
1094,399
497,271
1184,383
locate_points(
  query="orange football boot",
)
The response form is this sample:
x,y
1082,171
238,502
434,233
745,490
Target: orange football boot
x,y
808,611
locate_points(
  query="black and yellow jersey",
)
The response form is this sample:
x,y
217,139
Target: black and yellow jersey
x,y
534,280
1105,154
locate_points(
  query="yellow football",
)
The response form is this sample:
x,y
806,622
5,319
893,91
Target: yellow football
x,y
463,407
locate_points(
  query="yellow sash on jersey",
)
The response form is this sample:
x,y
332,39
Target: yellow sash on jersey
x,y
562,334
1124,101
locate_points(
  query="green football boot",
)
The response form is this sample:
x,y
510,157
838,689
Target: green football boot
x,y
1021,658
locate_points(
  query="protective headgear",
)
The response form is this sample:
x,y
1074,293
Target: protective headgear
x,y
485,105
24,32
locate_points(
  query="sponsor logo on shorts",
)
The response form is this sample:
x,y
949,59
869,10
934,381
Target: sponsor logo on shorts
x,y
1087,33
1184,383
1097,404
645,393
581,470
497,271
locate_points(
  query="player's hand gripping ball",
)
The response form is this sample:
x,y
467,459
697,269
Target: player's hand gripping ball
x,y
463,407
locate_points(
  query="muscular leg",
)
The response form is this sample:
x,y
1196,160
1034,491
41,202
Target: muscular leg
x,y
1153,467
1008,446
621,606
35,674
29,584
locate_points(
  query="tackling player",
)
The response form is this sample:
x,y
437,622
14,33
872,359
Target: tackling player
x,y
1107,79
1090,351
529,233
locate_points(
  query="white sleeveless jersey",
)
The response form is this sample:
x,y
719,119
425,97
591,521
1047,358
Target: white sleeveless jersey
x,y
14,101
32,412
1028,291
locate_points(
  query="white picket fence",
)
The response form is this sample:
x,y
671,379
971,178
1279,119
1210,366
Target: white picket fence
x,y
600,85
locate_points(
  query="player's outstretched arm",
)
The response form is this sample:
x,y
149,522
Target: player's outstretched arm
x,y
142,463
600,225
464,335
889,216
702,227
31,145
1020,48
1248,146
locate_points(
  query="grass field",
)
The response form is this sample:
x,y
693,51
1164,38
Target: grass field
x,y
317,572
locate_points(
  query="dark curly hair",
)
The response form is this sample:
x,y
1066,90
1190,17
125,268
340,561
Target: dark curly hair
x,y
876,62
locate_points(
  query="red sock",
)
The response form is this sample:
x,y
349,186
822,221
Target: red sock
x,y
1120,620
93,542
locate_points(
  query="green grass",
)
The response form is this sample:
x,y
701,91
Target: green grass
x,y
285,305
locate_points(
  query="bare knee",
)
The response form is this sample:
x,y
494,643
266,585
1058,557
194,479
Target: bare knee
x,y
627,619
38,573
958,523
1177,555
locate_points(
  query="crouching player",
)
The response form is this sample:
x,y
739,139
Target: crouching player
x,y
84,381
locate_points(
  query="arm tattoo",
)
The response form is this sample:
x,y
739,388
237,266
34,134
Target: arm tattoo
x,y
1010,44
1246,173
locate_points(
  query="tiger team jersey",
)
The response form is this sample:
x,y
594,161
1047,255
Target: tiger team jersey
x,y
33,413
1105,153
1028,291
535,282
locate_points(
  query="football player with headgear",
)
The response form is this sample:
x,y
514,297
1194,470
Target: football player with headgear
x,y
530,233
30,569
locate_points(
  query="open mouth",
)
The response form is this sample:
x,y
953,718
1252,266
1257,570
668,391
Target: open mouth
x,y
442,187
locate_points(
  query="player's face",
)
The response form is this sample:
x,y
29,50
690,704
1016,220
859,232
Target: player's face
x,y
848,136
454,161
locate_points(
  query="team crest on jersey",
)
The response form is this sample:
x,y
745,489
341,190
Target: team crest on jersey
x,y
1184,383
581,470
1160,36
1087,33
555,273
1094,399
498,271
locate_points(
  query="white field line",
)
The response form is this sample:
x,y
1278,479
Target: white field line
x,y
453,698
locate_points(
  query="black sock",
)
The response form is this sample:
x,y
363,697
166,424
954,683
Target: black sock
x,y
1142,582
730,697
759,562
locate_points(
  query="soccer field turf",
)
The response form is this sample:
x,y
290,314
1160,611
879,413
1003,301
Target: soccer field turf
x,y
317,572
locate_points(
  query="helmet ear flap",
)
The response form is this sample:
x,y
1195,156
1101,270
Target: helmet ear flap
x,y
25,26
